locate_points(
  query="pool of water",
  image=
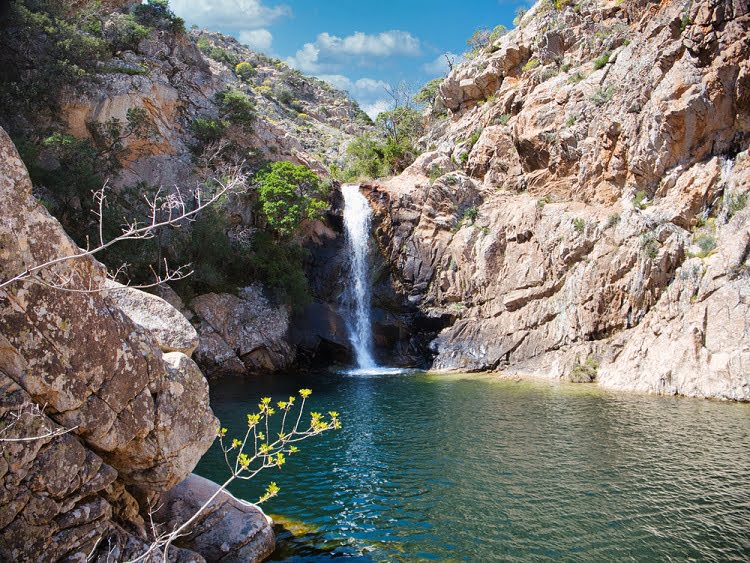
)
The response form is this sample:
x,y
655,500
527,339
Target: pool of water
x,y
452,468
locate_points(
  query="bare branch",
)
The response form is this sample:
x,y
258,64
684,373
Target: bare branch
x,y
30,410
169,210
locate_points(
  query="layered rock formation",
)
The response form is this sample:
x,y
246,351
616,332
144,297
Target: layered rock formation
x,y
78,355
590,202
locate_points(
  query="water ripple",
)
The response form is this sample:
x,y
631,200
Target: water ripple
x,y
455,469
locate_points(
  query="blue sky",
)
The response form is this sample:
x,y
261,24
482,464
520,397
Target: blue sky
x,y
358,46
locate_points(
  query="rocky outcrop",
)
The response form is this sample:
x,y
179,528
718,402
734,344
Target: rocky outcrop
x,y
168,326
108,412
593,164
242,333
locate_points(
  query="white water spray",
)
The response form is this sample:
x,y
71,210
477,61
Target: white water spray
x,y
357,215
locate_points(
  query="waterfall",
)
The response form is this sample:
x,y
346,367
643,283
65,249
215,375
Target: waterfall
x,y
357,214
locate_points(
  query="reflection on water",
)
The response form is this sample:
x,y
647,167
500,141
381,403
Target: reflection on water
x,y
451,468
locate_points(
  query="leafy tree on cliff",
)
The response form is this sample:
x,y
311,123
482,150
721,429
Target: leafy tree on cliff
x,y
428,92
290,194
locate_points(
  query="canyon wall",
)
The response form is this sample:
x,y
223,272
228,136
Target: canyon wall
x,y
583,200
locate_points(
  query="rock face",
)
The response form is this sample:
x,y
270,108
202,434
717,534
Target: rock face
x,y
137,418
611,146
312,125
242,332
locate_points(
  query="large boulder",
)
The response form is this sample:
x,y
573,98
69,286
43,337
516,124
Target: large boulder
x,y
172,331
228,529
117,411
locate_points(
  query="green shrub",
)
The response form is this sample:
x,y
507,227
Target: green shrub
x,y
503,119
435,173
367,158
127,33
640,200
585,372
531,64
236,108
540,203
735,203
706,243
468,215
650,246
685,21
571,120
601,62
559,5
579,225
289,194
211,251
612,220
483,38
603,95
245,71
45,50
565,67
428,92
157,14
208,130
279,265
136,70
576,78
520,13
473,138
283,94
217,53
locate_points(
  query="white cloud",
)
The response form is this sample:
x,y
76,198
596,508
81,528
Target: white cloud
x,y
229,16
329,52
377,107
363,87
370,85
440,66
385,44
258,39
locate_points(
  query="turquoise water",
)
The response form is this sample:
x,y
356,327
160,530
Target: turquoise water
x,y
450,468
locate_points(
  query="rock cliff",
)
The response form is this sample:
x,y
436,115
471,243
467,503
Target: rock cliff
x,y
102,365
582,198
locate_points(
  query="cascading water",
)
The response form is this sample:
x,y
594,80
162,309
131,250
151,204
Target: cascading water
x,y
357,214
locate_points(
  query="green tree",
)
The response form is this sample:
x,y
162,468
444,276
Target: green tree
x,y
44,51
236,108
428,92
157,14
288,195
483,38
401,125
